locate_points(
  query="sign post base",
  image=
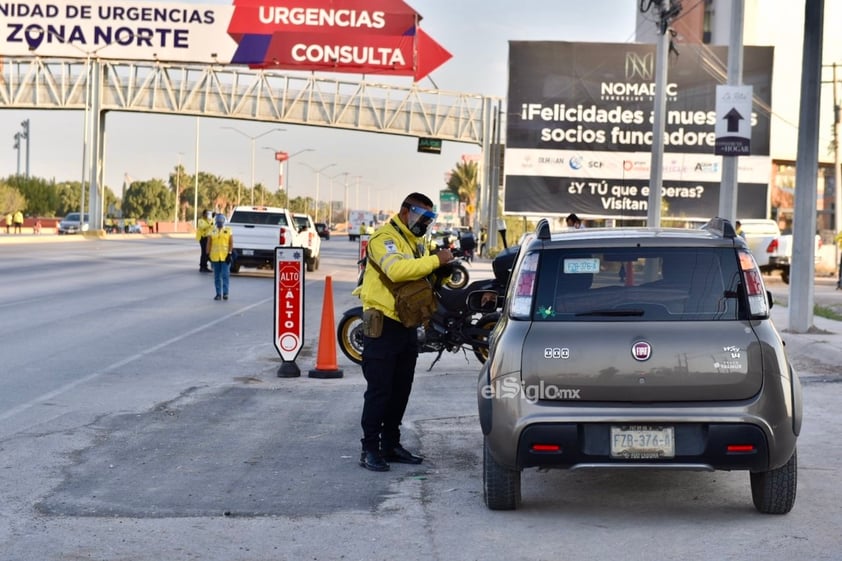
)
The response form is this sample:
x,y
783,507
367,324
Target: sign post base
x,y
289,369
325,374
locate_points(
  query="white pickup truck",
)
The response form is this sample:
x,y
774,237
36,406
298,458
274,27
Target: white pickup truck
x,y
308,237
771,249
257,231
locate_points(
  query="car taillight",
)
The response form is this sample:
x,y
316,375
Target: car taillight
x,y
773,246
755,290
282,236
524,287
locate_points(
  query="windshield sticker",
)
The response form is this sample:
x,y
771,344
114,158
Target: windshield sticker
x,y
583,265
390,246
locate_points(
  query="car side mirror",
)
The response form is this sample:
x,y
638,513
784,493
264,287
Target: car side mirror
x,y
482,301
769,299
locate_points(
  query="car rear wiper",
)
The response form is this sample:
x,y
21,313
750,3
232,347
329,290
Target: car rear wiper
x,y
609,313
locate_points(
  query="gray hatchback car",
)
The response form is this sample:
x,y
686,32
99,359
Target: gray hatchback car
x,y
643,348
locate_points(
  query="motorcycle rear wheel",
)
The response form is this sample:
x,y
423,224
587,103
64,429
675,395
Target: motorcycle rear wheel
x,y
349,333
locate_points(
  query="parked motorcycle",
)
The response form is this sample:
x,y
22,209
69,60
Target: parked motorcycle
x,y
452,327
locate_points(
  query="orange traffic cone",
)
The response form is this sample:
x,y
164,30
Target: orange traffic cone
x,y
326,366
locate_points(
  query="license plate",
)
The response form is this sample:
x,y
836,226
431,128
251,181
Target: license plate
x,y
248,252
642,442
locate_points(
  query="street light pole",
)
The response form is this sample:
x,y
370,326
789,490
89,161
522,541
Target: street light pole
x,y
177,189
291,156
318,173
347,214
330,197
252,139
17,147
25,135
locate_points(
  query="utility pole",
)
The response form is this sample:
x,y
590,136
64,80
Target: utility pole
x,y
802,281
837,173
728,186
656,176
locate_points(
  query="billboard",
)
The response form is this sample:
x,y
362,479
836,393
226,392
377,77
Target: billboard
x,y
579,130
371,36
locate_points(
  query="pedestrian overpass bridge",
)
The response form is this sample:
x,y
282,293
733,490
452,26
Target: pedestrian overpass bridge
x,y
99,86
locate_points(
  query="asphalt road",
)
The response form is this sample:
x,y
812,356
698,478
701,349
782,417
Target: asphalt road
x,y
140,419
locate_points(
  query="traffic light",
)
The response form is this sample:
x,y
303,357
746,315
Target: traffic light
x,y
25,125
17,141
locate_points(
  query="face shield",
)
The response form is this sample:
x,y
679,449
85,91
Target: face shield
x,y
419,219
220,221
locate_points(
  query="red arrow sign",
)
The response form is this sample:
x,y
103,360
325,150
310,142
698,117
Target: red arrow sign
x,y
431,55
334,36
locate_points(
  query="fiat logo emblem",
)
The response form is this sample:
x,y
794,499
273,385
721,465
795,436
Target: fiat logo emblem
x,y
641,351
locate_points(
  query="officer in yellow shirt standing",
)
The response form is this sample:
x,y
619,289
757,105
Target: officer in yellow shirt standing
x,y
203,229
389,353
220,247
18,222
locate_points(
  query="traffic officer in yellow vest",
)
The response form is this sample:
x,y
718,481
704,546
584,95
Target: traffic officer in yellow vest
x,y
18,222
390,352
220,247
204,225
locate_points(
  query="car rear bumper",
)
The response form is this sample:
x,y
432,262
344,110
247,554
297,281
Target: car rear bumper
x,y
697,446
254,257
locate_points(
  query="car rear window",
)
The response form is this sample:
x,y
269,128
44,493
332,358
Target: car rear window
x,y
637,284
257,217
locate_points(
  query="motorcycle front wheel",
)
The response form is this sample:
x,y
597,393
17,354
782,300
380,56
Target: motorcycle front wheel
x,y
458,277
350,335
485,323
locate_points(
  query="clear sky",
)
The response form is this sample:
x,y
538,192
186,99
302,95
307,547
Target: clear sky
x,y
476,32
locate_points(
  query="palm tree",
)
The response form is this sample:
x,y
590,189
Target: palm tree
x,y
464,182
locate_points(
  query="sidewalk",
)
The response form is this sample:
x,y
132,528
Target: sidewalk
x,y
818,353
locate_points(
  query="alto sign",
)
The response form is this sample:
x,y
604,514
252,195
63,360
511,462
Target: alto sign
x,y
359,36
289,307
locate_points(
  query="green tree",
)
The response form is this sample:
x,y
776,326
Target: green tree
x,y
68,194
150,200
223,194
464,182
10,198
181,183
40,195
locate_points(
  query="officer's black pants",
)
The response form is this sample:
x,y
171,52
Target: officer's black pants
x,y
203,255
389,368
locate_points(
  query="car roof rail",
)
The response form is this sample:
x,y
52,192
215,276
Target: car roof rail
x,y
543,229
720,226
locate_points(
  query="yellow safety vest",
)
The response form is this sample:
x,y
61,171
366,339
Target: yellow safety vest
x,y
391,247
203,228
220,240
